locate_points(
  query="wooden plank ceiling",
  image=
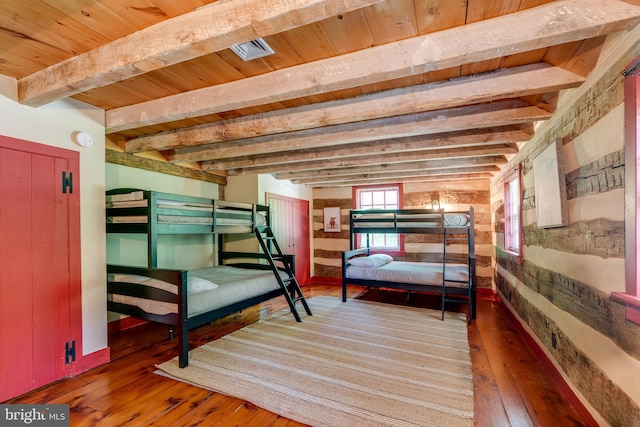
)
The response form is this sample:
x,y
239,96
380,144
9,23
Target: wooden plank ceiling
x,y
357,91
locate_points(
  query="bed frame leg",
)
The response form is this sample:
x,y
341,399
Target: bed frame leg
x,y
183,345
473,306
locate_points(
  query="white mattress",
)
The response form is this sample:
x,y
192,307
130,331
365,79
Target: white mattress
x,y
185,206
234,285
246,221
419,273
239,217
428,220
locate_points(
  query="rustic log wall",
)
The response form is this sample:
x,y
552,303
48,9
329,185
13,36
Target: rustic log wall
x,y
561,288
328,246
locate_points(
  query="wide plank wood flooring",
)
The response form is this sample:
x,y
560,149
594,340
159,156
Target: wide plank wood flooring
x,y
512,387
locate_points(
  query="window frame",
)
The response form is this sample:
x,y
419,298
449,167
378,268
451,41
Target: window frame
x,y
355,198
631,296
514,252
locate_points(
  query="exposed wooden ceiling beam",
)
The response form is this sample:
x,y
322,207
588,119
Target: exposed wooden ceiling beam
x,y
124,159
506,83
460,154
319,155
398,176
469,117
205,30
390,168
552,23
467,177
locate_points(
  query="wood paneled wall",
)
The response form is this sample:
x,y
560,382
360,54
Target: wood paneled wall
x,y
328,246
562,287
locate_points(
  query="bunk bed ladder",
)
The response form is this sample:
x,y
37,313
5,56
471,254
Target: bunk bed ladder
x,y
445,298
289,285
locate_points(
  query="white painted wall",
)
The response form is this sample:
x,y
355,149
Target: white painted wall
x,y
243,188
252,189
184,252
268,184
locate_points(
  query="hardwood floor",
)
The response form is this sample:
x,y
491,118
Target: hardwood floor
x,y
511,384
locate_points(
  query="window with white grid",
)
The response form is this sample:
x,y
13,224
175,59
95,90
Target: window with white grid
x,y
382,197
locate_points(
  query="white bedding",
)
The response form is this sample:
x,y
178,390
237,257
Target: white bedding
x,y
231,219
420,273
428,220
234,217
233,285
245,221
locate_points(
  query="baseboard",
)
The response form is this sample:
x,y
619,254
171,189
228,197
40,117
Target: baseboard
x,y
550,367
116,326
93,360
324,280
486,293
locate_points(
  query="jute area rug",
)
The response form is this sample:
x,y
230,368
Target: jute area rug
x,y
358,363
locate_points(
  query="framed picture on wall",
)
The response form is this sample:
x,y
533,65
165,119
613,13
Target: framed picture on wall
x,y
332,220
550,187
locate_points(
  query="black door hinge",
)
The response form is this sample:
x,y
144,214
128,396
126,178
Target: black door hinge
x,y
70,352
67,182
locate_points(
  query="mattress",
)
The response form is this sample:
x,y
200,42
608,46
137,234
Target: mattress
x,y
418,273
412,221
185,206
236,220
233,285
235,217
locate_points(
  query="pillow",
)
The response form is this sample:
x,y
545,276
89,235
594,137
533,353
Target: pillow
x,y
453,220
375,260
196,285
143,280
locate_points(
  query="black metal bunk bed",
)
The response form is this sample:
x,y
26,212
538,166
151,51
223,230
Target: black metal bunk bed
x,y
453,276
183,299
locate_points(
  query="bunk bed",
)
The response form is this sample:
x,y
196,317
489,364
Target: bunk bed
x,y
452,276
183,299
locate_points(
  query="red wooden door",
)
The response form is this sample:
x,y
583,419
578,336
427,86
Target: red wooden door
x,y
300,222
290,225
40,312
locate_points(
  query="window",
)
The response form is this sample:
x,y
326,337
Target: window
x,y
379,197
631,296
512,222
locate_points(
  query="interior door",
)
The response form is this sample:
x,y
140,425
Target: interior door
x,y
301,239
40,312
290,225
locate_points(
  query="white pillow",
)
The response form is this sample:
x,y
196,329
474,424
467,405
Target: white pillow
x,y
196,285
453,220
375,260
143,280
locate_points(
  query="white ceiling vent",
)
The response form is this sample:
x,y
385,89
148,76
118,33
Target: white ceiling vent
x,y
253,49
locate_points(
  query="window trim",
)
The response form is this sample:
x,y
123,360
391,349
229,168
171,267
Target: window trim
x,y
356,188
631,296
516,173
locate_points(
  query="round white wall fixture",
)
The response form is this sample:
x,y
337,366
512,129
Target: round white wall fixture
x,y
83,139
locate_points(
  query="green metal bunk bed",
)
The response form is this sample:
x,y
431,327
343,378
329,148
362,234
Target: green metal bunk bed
x,y
183,299
453,276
